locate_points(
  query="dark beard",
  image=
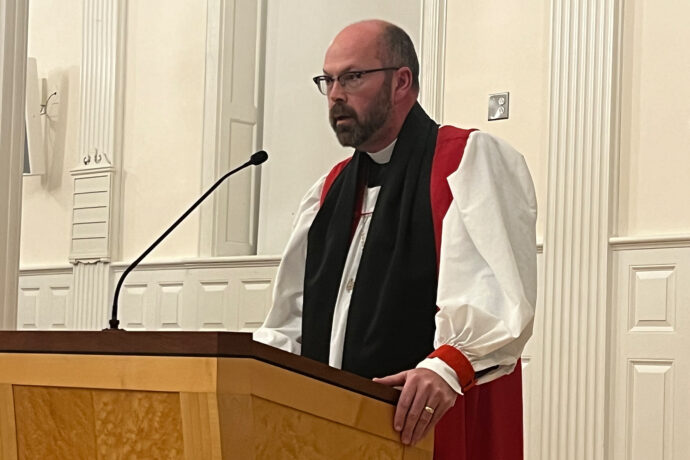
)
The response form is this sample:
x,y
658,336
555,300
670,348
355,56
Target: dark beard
x,y
359,132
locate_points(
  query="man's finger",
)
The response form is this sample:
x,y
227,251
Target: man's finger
x,y
407,397
427,418
393,380
414,413
444,405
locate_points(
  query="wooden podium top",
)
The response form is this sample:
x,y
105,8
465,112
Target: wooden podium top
x,y
202,344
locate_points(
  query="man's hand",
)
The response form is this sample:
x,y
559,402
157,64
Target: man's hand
x,y
421,388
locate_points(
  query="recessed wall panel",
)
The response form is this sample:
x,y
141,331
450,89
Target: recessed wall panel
x,y
213,300
170,304
134,303
650,410
59,296
652,298
255,298
28,308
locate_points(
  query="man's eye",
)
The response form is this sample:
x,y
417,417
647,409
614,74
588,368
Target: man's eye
x,y
351,77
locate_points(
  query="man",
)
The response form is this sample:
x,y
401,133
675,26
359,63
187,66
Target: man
x,y
415,259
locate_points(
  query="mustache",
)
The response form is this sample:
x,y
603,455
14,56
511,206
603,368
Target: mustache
x,y
341,110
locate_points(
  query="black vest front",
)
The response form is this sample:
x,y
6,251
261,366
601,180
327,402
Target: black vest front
x,y
390,325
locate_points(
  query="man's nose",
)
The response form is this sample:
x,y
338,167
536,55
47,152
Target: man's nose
x,y
336,92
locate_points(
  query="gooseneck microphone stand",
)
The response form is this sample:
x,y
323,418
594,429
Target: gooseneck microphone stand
x,y
256,159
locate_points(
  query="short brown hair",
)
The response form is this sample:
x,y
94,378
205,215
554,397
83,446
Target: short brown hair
x,y
397,50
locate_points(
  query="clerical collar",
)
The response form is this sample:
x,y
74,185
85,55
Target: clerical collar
x,y
383,156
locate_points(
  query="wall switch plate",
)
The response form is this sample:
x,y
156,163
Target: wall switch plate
x,y
498,106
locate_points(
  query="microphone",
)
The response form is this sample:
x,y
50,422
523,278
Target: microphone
x,y
256,159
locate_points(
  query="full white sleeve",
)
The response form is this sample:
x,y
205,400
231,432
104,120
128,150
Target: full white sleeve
x,y
487,274
283,326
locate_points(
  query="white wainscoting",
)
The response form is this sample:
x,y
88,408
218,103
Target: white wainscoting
x,y
229,294
650,369
45,299
197,296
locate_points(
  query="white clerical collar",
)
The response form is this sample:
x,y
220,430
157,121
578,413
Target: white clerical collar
x,y
383,156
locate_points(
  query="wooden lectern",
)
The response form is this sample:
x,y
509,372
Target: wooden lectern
x,y
185,395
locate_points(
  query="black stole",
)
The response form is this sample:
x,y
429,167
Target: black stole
x,y
390,325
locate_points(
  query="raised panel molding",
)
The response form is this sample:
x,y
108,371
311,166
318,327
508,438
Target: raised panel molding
x,y
212,300
28,308
650,366
255,299
45,300
170,305
215,294
652,298
650,408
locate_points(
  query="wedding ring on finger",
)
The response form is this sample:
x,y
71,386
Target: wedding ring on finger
x,y
430,410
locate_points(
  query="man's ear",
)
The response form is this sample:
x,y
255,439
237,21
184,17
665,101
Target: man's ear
x,y
402,83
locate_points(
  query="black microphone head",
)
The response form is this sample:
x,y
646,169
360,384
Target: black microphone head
x,y
258,158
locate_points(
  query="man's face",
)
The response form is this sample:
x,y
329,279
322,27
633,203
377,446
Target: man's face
x,y
353,128
357,115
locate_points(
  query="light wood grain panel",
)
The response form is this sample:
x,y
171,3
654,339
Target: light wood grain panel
x,y
158,373
237,426
8,431
310,396
54,423
200,426
138,425
283,433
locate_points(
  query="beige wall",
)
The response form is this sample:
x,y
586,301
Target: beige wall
x,y
163,120
296,131
655,119
163,124
495,46
55,41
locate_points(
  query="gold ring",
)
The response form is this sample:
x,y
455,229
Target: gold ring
x,y
429,410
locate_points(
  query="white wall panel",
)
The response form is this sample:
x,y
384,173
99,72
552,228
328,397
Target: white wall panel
x,y
650,365
214,307
255,300
27,314
134,305
652,300
197,295
650,406
45,300
171,306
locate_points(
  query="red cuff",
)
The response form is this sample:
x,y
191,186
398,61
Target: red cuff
x,y
459,363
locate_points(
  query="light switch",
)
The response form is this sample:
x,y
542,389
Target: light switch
x,y
498,106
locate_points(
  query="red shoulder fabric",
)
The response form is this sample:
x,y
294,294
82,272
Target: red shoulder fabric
x,y
486,421
450,145
332,175
330,178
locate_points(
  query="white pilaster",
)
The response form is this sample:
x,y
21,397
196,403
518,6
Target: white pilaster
x,y
97,178
432,56
576,251
13,36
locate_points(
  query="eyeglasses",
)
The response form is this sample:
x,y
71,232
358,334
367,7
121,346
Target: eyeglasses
x,y
349,81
